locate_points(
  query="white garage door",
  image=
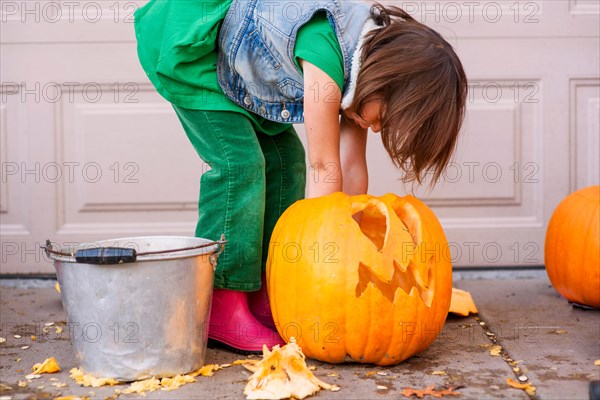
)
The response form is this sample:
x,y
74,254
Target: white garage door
x,y
89,151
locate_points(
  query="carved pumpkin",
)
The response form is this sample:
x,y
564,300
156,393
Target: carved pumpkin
x,y
378,292
572,248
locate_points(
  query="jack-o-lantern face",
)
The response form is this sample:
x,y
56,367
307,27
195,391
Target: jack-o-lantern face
x,y
376,291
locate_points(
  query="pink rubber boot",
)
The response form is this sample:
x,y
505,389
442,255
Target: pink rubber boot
x,y
233,325
258,302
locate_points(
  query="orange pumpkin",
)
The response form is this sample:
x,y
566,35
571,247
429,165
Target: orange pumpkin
x,y
572,248
375,292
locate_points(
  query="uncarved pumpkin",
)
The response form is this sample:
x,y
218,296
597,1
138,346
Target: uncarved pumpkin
x,y
375,292
572,248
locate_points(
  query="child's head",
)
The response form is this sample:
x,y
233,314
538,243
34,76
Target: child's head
x,y
421,86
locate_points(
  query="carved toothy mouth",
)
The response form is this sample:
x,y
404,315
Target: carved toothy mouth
x,y
405,280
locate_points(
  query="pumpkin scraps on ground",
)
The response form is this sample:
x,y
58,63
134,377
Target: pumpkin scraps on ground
x,y
282,374
49,366
461,303
150,384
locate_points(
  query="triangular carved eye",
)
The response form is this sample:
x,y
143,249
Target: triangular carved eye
x,y
373,223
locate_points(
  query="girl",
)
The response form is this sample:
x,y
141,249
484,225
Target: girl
x,y
240,72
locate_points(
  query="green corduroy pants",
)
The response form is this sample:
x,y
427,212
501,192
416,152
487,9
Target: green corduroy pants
x,y
253,178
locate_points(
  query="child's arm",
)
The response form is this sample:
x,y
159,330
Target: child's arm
x,y
322,98
354,157
327,136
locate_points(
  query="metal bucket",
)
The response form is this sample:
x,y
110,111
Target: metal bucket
x,y
144,316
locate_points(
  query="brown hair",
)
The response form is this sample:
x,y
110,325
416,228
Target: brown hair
x,y
423,88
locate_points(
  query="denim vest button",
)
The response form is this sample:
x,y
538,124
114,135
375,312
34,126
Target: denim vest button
x,y
285,114
262,110
247,100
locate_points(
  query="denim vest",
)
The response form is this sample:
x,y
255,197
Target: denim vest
x,y
256,67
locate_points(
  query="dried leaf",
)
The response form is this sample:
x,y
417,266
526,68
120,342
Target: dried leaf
x,y
283,373
381,387
461,303
71,398
527,387
495,350
2,340
334,374
597,362
439,373
429,390
57,287
49,366
370,373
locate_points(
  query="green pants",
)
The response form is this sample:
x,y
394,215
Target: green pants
x,y
253,178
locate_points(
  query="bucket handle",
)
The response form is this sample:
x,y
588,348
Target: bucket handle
x,y
121,255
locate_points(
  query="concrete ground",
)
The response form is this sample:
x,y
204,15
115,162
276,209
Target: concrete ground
x,y
550,343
